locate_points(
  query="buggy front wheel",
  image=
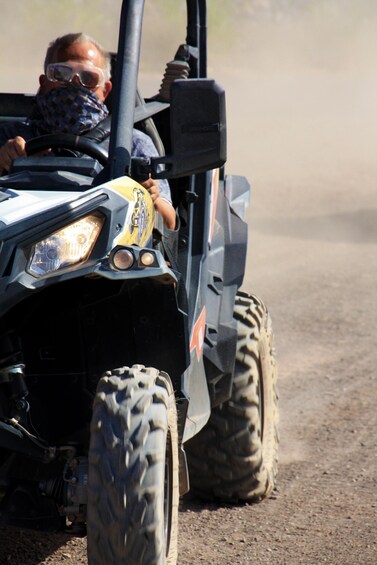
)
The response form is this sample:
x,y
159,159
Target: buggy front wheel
x,y
132,515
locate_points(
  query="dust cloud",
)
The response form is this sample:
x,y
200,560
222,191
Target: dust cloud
x,y
301,86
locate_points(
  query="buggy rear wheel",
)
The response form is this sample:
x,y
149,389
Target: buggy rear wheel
x,y
133,486
234,457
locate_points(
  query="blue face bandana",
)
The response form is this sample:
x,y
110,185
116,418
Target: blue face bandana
x,y
70,109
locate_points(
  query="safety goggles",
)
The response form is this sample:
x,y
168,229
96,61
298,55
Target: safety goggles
x,y
89,77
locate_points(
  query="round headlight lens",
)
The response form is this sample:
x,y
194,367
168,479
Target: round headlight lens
x,y
123,259
147,259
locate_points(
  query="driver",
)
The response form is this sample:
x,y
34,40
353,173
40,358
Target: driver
x,y
70,99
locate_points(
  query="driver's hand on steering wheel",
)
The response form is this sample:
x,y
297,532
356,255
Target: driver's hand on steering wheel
x,y
12,149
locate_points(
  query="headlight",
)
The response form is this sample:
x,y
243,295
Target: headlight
x,y
67,247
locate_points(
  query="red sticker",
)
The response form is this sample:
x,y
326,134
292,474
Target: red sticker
x,y
197,338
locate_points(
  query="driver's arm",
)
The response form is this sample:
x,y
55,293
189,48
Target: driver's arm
x,y
161,205
12,149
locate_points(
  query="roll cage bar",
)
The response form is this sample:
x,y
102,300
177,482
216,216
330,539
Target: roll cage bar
x,y
125,86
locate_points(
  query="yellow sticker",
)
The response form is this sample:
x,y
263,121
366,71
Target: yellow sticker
x,y
138,224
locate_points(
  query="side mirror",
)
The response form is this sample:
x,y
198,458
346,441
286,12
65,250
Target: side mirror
x,y
197,129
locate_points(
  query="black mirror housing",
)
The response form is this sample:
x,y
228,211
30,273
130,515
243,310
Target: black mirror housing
x,y
198,129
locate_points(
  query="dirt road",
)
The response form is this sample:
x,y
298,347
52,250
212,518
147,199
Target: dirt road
x,y
306,139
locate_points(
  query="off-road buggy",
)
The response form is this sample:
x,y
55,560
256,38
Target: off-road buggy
x,y
132,366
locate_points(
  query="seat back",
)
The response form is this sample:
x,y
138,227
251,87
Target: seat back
x,y
16,106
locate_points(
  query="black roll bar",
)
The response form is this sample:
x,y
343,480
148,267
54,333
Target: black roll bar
x,y
125,87
126,79
196,35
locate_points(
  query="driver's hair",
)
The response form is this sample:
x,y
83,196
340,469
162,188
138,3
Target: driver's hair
x,y
69,39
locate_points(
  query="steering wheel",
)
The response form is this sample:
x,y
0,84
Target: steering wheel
x,y
67,141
